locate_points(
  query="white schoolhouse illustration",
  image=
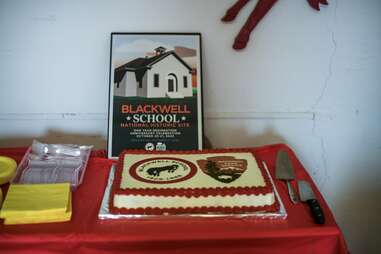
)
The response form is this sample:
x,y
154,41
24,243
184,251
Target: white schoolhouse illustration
x,y
159,72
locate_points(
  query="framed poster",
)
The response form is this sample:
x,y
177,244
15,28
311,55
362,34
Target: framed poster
x,y
155,100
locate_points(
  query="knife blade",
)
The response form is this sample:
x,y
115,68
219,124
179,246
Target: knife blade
x,y
307,195
284,171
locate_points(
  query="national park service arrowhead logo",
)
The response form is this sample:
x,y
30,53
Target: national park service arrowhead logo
x,y
225,169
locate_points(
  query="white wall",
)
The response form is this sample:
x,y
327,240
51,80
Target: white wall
x,y
308,79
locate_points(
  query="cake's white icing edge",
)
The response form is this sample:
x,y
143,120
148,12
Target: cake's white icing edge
x,y
138,201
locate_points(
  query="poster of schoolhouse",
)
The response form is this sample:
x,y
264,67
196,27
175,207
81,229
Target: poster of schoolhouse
x,y
155,99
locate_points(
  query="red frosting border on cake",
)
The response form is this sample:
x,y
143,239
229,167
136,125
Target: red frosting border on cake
x,y
196,210
190,192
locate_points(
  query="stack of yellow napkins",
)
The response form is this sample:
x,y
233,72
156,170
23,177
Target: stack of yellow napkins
x,y
37,203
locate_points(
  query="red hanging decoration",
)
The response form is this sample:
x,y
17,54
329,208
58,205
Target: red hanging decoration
x,y
260,10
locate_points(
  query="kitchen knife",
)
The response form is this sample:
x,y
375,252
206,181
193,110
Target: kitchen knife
x,y
307,195
284,171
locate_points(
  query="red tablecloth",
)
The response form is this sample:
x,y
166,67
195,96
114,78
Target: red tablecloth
x,y
85,233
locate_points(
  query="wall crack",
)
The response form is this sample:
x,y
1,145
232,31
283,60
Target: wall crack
x,y
330,64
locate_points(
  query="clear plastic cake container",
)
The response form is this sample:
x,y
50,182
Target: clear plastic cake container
x,y
105,214
62,163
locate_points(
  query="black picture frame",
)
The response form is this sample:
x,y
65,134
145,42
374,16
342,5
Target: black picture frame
x,y
155,92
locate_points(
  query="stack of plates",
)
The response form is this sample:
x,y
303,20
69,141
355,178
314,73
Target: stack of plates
x,y
7,169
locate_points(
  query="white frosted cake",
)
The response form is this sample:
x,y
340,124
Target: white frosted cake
x,y
209,181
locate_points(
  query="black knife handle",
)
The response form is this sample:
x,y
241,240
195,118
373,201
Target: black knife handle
x,y
316,211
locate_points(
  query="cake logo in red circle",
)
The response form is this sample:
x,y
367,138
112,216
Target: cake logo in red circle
x,y
163,170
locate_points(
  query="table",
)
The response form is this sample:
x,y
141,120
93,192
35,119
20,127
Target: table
x,y
85,233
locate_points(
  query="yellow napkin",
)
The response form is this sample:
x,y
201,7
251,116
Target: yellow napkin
x,y
37,203
54,217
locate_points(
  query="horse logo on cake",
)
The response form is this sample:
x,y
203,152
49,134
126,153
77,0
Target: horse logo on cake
x,y
225,169
155,171
163,170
